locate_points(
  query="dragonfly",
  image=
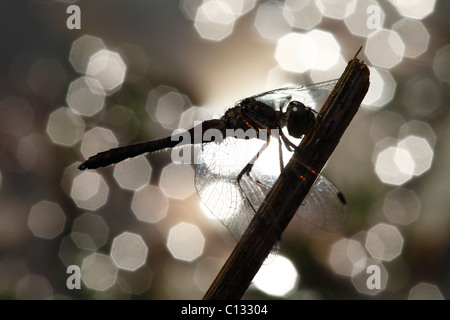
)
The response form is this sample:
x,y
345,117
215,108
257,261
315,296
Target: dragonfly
x,y
241,159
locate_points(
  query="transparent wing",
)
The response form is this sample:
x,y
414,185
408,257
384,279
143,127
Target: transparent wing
x,y
234,205
313,95
324,206
218,166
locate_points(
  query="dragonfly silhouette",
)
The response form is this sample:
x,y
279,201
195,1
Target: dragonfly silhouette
x,y
235,171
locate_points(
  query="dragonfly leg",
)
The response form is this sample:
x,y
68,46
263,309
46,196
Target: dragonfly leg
x,y
289,145
280,154
246,171
248,168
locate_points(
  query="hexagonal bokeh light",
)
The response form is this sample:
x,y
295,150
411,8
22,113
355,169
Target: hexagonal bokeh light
x,y
302,14
192,114
165,105
441,65
347,257
374,285
129,251
89,231
364,17
149,204
417,9
420,152
401,206
397,164
46,219
384,48
279,278
133,173
394,166
414,35
419,129
214,20
425,291
237,7
189,8
334,9
86,97
384,242
316,49
68,251
82,50
185,242
169,108
98,272
65,127
177,181
108,68
240,7
270,21
382,88
89,190
291,57
96,140
328,49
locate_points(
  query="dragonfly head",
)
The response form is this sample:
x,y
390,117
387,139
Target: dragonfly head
x,y
298,119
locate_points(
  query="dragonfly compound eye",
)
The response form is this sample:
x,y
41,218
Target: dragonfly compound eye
x,y
299,119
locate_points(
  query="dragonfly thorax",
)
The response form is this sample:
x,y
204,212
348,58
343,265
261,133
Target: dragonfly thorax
x,y
252,114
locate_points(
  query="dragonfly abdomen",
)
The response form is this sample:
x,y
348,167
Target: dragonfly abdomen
x,y
116,155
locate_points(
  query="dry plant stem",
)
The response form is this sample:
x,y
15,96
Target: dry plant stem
x,y
293,185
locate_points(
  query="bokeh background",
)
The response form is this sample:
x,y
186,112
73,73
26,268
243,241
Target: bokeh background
x,y
137,70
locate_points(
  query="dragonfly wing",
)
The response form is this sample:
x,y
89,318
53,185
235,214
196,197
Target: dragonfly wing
x,y
312,96
324,206
218,166
234,204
